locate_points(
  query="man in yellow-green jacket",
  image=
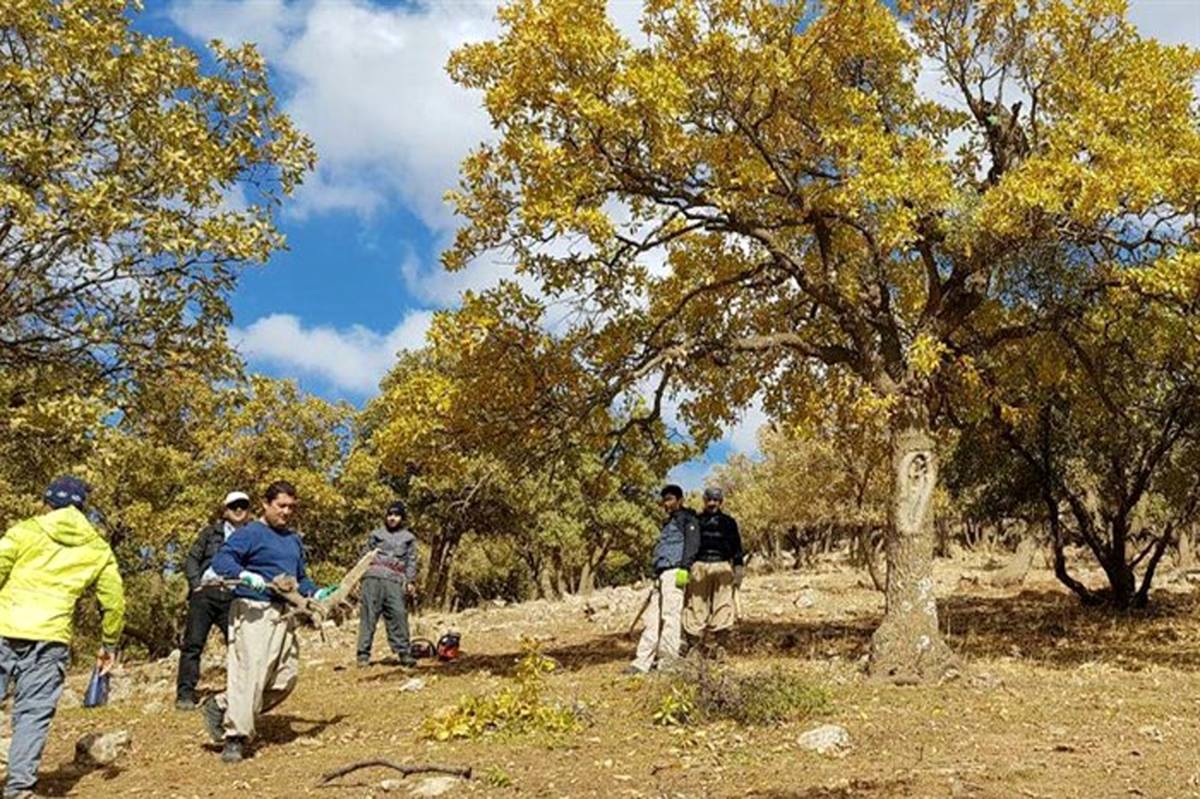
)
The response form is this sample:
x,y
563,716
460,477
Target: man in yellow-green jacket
x,y
46,563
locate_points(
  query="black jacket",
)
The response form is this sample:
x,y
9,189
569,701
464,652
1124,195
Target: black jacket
x,y
200,556
719,539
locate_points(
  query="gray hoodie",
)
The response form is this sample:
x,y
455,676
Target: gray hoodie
x,y
397,558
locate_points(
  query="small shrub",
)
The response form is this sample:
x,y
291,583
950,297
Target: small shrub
x,y
676,706
711,693
514,709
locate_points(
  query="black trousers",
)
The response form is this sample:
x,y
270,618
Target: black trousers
x,y
207,608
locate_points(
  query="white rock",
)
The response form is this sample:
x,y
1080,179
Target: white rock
x,y
827,739
435,786
1152,732
806,599
391,785
102,749
120,688
413,685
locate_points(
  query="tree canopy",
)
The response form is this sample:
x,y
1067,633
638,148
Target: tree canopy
x,y
754,194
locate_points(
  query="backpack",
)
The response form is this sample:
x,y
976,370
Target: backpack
x,y
447,646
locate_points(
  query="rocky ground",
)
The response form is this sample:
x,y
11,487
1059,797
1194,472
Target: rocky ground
x,y
1055,701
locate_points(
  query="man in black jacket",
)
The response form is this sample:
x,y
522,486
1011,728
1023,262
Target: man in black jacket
x,y
208,600
716,572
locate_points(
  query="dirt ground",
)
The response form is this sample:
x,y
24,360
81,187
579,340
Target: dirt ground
x,y
1055,701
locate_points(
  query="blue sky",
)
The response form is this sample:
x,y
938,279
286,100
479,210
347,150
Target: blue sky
x,y
365,80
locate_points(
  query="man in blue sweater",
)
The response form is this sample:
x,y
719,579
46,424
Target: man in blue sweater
x,y
264,653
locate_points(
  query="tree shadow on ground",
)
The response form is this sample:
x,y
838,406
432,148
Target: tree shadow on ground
x,y
607,648
1051,628
1054,629
857,788
282,729
62,781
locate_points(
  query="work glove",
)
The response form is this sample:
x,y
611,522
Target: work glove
x,y
106,658
681,578
739,573
325,593
253,581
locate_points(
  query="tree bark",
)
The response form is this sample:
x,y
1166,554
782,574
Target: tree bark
x,y
908,646
1186,557
437,580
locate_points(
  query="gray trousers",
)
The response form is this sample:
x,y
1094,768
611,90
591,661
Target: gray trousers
x,y
379,595
35,670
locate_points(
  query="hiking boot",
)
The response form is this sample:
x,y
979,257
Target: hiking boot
x,y
408,661
185,703
214,720
234,750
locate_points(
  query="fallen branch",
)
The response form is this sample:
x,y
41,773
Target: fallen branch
x,y
456,771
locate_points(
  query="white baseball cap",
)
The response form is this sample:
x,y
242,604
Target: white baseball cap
x,y
235,496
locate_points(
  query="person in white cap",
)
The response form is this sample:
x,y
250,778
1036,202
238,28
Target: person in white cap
x,y
208,598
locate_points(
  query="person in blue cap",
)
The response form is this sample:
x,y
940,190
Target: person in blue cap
x,y
46,564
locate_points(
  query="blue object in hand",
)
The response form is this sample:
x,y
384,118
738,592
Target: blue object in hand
x,y
97,689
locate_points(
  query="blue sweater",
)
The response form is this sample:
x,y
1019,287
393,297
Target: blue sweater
x,y
264,551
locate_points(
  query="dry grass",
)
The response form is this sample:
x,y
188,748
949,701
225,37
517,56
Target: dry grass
x,y
1058,701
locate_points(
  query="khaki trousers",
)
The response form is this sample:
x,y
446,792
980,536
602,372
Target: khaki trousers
x,y
661,637
262,664
709,605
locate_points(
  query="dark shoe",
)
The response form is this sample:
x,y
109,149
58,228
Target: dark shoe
x,y
408,661
185,703
233,751
362,664
214,720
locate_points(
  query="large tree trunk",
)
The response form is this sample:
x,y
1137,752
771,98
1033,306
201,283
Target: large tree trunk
x,y
908,646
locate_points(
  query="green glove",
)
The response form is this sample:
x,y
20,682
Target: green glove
x,y
325,593
681,578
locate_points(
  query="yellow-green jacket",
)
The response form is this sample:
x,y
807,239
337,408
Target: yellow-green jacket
x,y
46,563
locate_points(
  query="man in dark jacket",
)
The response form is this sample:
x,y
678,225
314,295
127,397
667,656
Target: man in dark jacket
x,y
716,573
390,578
208,599
264,652
673,556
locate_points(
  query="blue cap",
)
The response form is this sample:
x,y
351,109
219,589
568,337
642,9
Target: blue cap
x,y
66,490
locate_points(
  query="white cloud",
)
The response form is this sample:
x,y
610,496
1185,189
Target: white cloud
x,y
692,475
743,436
368,83
353,359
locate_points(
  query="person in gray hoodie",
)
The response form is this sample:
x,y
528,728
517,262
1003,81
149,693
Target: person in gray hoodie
x,y
388,582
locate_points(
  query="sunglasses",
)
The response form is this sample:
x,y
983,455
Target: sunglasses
x,y
241,504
